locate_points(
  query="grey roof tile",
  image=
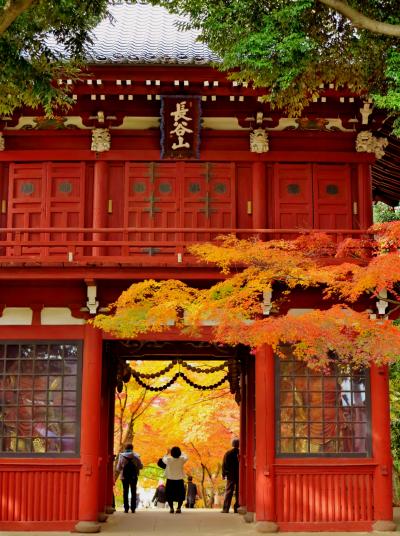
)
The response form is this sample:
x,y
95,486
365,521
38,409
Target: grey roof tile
x,y
145,34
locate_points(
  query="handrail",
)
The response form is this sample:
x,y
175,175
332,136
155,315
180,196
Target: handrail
x,y
130,245
178,230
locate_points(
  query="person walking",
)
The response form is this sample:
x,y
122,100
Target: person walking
x,y
175,488
128,467
191,493
230,471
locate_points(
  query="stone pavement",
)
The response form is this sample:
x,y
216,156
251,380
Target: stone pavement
x,y
190,522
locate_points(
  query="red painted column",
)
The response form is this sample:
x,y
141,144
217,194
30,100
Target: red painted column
x,y
110,440
99,202
380,413
104,428
259,196
90,431
250,421
364,185
265,439
243,441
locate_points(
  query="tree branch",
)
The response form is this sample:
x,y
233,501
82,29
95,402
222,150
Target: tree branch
x,y
362,21
11,11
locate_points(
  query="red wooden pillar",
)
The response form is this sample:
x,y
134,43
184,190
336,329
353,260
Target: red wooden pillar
x,y
265,439
259,196
99,202
110,440
364,186
243,441
380,413
104,432
250,434
90,431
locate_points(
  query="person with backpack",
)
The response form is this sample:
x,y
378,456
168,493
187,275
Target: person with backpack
x,y
128,467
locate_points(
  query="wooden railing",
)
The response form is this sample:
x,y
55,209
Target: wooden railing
x,y
150,245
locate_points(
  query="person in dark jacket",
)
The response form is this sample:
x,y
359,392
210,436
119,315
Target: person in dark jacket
x,y
191,493
128,467
230,471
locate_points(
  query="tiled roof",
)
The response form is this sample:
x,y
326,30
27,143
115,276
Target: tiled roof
x,y
143,34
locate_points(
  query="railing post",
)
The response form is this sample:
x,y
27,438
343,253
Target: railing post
x,y
99,203
17,248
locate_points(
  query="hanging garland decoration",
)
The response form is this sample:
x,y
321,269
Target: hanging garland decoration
x,y
157,389
203,387
155,374
125,373
182,375
234,372
204,371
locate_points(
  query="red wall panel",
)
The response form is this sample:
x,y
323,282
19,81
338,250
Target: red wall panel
x,y
32,492
324,494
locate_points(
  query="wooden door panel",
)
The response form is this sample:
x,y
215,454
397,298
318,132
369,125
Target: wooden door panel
x,y
293,217
195,194
47,195
178,195
332,197
27,186
65,201
152,193
26,207
293,196
208,198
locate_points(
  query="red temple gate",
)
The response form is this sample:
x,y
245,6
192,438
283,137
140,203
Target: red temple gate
x,y
79,224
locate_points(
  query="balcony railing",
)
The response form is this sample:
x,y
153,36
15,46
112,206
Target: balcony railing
x,y
130,246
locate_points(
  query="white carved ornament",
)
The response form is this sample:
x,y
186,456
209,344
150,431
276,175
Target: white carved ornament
x,y
366,142
101,140
2,144
259,141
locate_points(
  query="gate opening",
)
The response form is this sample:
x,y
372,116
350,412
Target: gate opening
x,y
177,394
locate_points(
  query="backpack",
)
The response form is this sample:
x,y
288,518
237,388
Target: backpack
x,y
130,470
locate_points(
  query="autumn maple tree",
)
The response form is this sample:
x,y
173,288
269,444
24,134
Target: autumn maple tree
x,y
347,279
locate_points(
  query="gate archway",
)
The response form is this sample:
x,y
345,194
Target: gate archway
x,y
236,362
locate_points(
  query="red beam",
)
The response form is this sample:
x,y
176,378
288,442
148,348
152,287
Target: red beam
x,y
153,155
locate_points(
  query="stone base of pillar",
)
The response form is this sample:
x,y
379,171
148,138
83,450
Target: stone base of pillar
x,y
109,510
249,517
385,526
102,516
242,510
87,527
267,526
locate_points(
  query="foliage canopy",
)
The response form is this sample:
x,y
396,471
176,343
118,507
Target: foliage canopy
x,y
345,276
292,47
42,41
